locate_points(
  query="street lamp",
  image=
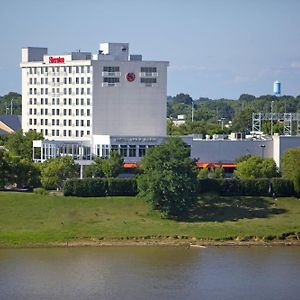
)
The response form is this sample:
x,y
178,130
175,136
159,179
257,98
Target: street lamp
x,y
263,150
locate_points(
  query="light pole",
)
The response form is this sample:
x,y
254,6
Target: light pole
x,y
263,150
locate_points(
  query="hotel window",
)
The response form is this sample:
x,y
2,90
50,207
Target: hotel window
x,y
70,112
77,91
34,101
82,69
81,133
42,91
76,133
148,69
132,150
30,121
65,91
42,70
70,69
30,70
82,123
53,69
34,111
42,101
77,69
88,123
65,112
82,91
70,133
42,121
34,80
42,80
111,69
53,122
77,101
114,148
57,79
77,123
46,80
57,132
82,101
46,131
77,112
70,101
57,101
87,112
65,80
57,112
34,70
46,91
65,122
65,101
30,100
65,132
88,80
53,80
42,111
88,91
123,150
88,69
82,112
30,91
30,80
111,79
57,122
70,80
70,123
53,101
34,121
53,132
88,101
88,132
30,111
148,80
46,121
53,90
46,101
77,80
57,90
82,80
53,112
46,111
142,150
70,91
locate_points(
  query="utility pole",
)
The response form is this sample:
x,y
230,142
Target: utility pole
x,y
272,103
11,106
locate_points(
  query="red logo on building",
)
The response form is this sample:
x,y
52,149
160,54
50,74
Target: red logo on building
x,y
56,60
130,77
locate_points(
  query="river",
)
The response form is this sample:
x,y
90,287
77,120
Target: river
x,y
151,273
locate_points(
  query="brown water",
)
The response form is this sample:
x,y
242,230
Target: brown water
x,y
151,273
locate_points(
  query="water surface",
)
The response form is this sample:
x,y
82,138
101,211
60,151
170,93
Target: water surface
x,y
151,273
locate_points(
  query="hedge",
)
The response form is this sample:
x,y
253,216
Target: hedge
x,y
247,187
95,187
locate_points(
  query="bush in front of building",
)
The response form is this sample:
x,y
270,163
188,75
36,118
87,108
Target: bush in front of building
x,y
97,187
246,187
282,187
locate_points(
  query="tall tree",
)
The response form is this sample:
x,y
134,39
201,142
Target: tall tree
x,y
291,166
169,179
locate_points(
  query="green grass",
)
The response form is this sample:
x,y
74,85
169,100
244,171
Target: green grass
x,y
29,219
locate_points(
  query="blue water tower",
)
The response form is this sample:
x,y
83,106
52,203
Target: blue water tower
x,y
277,88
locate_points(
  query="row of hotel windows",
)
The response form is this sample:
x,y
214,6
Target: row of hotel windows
x,y
117,80
58,122
117,69
66,91
69,133
66,80
56,112
131,150
66,69
59,101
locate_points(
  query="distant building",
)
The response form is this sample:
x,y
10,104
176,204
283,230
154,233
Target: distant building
x,y
10,124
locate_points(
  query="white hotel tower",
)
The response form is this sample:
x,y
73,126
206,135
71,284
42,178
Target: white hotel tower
x,y
86,104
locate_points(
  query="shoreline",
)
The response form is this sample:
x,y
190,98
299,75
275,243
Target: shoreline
x,y
166,242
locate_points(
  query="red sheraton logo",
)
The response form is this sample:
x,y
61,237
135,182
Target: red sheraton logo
x,y
56,60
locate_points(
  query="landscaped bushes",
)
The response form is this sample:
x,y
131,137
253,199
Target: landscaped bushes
x,y
95,187
247,187
283,187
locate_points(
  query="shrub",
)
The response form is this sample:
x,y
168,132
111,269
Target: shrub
x,y
40,191
95,187
208,186
282,187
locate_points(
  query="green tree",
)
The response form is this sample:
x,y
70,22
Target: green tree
x,y
169,178
24,173
20,144
4,169
113,165
291,166
256,167
55,171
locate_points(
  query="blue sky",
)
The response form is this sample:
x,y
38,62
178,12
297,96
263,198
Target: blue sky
x,y
216,48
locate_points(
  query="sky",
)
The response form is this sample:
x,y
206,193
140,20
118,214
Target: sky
x,y
216,48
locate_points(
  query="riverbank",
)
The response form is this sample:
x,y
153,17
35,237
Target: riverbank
x,y
30,220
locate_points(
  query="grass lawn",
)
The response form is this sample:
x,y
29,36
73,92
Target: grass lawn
x,y
29,219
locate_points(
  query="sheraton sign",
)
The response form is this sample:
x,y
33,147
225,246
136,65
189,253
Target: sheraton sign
x,y
56,60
